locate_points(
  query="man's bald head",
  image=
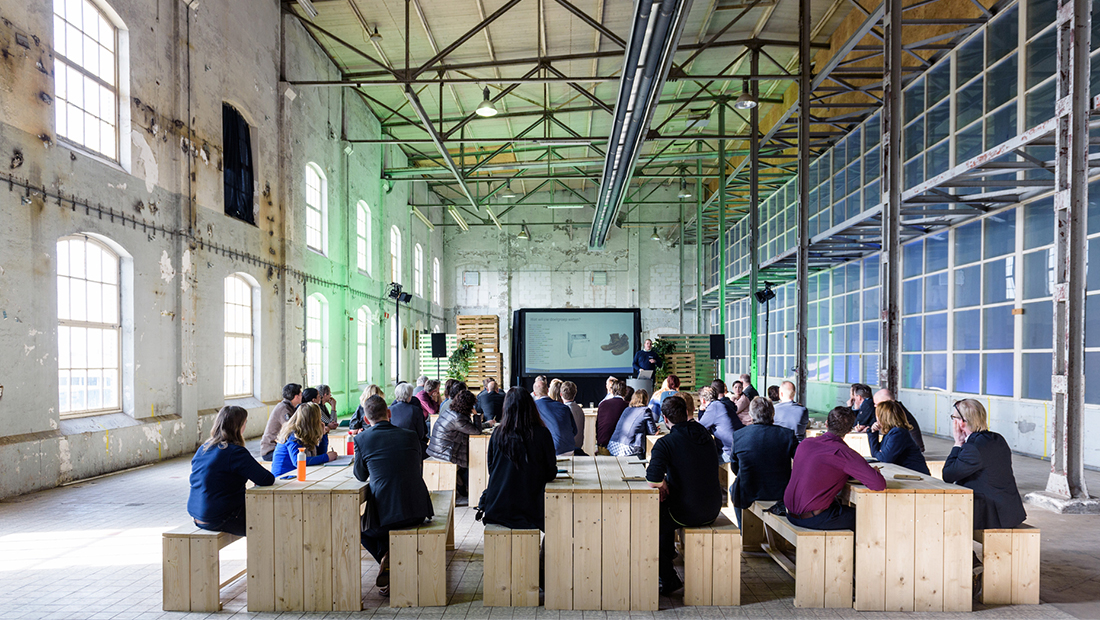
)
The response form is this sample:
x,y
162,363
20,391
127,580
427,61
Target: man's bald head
x,y
786,391
883,395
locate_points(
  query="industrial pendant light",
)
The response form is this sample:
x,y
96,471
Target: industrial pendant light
x,y
684,191
376,37
523,232
486,108
507,191
745,101
655,236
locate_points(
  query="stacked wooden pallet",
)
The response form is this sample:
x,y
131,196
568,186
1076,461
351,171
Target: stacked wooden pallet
x,y
429,364
703,370
484,331
683,366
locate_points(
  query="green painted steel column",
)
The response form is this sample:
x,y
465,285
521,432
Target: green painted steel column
x,y
722,234
700,268
754,215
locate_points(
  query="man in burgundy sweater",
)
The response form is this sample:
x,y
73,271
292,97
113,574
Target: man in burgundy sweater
x,y
821,468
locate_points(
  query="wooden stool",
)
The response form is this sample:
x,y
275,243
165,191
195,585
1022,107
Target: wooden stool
x,y
189,569
1010,560
511,575
712,564
418,558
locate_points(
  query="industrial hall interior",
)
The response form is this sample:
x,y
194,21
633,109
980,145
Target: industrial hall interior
x,y
562,309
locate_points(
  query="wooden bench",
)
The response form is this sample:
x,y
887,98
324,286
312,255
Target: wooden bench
x,y
190,573
712,564
418,558
443,476
511,574
1010,560
824,560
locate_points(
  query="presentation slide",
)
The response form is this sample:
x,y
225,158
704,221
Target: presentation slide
x,y
596,342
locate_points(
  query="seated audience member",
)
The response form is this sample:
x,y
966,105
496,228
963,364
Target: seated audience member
x,y
689,400
311,395
292,397
608,385
569,399
404,414
885,395
448,392
397,498
554,391
521,461
860,402
302,430
607,415
761,458
629,395
358,422
219,471
897,445
724,400
637,421
790,414
747,388
451,436
773,393
655,400
670,387
684,467
490,402
982,462
740,403
713,417
429,397
328,407
421,382
557,417
822,466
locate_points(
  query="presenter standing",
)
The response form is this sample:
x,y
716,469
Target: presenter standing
x,y
647,358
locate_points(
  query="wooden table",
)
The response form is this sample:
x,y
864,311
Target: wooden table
x,y
589,446
913,544
304,550
856,441
601,537
479,466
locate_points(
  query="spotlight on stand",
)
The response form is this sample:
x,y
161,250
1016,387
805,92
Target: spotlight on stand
x,y
763,296
398,296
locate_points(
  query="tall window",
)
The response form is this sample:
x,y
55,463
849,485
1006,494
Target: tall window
x,y
395,254
363,318
418,270
238,337
86,76
362,237
89,333
393,351
437,295
316,209
316,338
237,160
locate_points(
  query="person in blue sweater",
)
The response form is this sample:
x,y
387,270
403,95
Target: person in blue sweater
x,y
219,471
897,445
304,429
557,417
647,358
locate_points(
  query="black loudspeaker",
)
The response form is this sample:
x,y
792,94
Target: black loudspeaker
x,y
717,346
439,345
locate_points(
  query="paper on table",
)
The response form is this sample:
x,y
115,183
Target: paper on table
x,y
341,461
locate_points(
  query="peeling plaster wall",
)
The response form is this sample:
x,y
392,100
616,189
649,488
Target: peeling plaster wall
x,y
553,269
183,65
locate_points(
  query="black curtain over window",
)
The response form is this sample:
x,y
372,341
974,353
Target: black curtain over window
x,y
237,146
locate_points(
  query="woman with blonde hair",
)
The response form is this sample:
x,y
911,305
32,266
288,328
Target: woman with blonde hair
x,y
219,471
555,389
304,429
689,400
357,420
982,462
897,445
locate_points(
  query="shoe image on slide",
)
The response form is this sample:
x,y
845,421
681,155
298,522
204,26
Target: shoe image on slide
x,y
621,345
612,343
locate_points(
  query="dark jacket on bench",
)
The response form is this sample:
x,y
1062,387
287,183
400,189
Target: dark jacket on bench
x,y
515,495
984,465
218,476
688,457
761,460
389,457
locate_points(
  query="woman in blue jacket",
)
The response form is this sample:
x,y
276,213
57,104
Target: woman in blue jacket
x,y
304,429
219,471
637,421
897,445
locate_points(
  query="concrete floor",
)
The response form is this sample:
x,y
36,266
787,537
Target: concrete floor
x,y
92,550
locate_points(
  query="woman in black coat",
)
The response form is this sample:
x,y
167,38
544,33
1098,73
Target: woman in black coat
x,y
982,461
897,445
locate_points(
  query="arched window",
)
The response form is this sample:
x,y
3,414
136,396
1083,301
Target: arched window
x,y
362,237
87,74
437,295
240,339
393,351
363,319
316,339
89,331
395,255
418,270
316,209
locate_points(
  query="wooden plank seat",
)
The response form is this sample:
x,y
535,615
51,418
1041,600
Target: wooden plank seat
x,y
712,563
418,558
823,567
443,476
511,575
190,573
1010,560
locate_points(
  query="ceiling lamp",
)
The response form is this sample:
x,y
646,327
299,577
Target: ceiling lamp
x,y
523,232
684,191
655,236
486,108
507,191
745,101
376,37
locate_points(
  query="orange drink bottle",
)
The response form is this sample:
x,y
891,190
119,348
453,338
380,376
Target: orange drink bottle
x,y
301,464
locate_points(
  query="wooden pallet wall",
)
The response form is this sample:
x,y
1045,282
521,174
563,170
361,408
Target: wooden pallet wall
x,y
704,370
484,331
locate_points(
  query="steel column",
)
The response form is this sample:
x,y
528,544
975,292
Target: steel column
x,y
722,236
699,267
802,280
754,217
891,208
682,260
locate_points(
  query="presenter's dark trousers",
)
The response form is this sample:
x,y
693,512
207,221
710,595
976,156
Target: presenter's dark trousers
x,y
835,517
377,540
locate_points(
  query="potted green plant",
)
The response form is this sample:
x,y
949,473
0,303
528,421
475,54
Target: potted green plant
x,y
460,360
663,348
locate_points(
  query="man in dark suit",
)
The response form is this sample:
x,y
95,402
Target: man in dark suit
x,y
406,413
557,417
860,402
397,498
490,403
747,388
761,458
884,395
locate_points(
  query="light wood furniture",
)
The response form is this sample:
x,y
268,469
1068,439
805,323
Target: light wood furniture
x,y
479,467
855,441
936,468
418,558
913,543
443,476
702,369
589,446
189,571
303,543
488,361
601,537
511,574
822,569
712,564
1010,560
